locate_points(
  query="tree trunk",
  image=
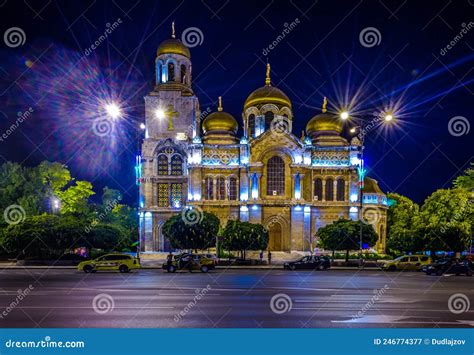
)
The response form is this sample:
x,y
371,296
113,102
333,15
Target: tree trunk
x,y
347,256
333,252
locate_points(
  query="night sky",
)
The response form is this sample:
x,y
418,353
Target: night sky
x,y
408,68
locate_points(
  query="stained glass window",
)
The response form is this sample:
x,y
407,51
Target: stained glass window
x,y
340,190
329,190
176,195
176,165
318,189
252,125
163,195
162,164
276,176
220,191
232,188
208,188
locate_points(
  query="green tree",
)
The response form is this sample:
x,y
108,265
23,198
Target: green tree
x,y
446,220
402,219
192,229
110,196
466,181
244,236
344,234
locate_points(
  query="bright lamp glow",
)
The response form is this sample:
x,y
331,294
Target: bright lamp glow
x,y
353,209
160,113
353,130
388,117
142,126
354,197
344,115
113,110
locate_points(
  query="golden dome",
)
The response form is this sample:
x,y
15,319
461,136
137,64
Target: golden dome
x,y
173,46
220,121
371,186
267,95
324,122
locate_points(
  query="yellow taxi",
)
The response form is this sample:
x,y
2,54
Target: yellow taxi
x,y
110,262
407,262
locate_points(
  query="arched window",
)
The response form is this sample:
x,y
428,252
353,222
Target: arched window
x,y
318,189
176,165
268,120
329,190
209,188
170,71
162,164
220,188
276,176
252,125
159,72
183,74
232,188
340,190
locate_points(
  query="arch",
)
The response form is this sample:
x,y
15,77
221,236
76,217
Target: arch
x,y
318,189
176,165
209,188
183,74
285,111
269,116
275,240
171,71
340,189
233,188
162,165
251,125
159,71
276,176
329,189
220,188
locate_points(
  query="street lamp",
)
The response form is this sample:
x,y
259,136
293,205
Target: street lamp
x,y
344,115
113,110
142,126
55,204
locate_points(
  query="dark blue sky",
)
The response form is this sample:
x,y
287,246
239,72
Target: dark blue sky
x,y
322,56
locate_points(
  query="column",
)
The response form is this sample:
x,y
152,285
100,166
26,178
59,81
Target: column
x,y
214,187
323,183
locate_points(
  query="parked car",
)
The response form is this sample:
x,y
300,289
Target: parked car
x,y
183,262
310,262
108,262
449,266
407,262
213,257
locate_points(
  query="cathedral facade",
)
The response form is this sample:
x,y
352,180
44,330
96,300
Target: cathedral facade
x,y
193,161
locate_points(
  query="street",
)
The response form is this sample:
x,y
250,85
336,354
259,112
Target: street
x,y
232,298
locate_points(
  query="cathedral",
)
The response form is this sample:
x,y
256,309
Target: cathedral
x,y
193,161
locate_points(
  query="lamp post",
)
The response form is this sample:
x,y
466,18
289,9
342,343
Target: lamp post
x,y
363,130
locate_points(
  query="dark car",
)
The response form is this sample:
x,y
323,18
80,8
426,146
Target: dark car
x,y
309,263
449,266
189,262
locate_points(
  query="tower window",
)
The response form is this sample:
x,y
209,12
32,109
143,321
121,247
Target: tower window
x,y
276,176
232,188
268,120
252,125
318,189
176,165
162,164
208,188
163,195
159,73
220,188
329,190
171,71
340,190
176,195
183,74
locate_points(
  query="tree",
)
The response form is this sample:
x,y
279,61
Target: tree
x,y
446,220
466,181
244,236
402,219
184,232
110,196
344,234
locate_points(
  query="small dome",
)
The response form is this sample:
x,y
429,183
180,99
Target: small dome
x,y
173,46
267,95
220,122
371,186
324,122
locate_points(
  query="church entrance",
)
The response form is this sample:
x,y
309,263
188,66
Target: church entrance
x,y
275,237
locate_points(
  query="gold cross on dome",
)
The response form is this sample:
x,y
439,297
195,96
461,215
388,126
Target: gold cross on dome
x,y
170,113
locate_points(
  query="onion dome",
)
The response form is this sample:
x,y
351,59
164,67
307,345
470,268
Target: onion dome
x,y
371,186
173,46
324,123
220,122
267,95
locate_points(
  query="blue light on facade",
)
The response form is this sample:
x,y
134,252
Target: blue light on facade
x,y
297,187
307,209
244,209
